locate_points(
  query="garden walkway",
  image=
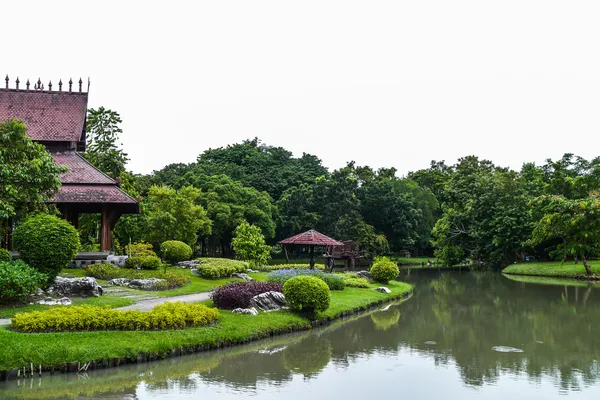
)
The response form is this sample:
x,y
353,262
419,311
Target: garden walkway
x,y
149,304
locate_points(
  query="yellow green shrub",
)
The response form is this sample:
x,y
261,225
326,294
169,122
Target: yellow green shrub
x,y
92,318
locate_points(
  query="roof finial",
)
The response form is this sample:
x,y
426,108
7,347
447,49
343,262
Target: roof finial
x,y
80,83
50,86
88,89
17,82
70,84
6,79
60,85
27,84
38,85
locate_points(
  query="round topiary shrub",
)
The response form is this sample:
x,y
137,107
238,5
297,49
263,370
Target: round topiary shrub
x,y
46,243
307,294
384,270
174,251
5,255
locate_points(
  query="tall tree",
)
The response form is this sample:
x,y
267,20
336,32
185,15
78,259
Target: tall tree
x,y
103,147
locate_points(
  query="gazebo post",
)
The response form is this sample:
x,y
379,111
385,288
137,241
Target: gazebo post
x,y
312,257
287,259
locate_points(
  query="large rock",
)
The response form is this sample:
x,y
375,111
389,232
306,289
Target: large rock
x,y
243,276
119,281
85,287
192,264
146,284
118,261
250,311
364,274
269,301
65,301
383,289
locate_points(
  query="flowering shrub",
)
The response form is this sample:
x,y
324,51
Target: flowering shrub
x,y
92,318
333,281
238,294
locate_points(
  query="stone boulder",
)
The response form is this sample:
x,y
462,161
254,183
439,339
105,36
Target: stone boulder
x,y
146,284
117,261
383,289
243,276
84,287
119,281
269,301
364,274
249,311
192,264
65,301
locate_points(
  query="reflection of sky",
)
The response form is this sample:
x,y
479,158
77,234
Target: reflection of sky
x,y
406,374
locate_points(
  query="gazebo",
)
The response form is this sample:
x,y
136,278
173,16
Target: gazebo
x,y
311,238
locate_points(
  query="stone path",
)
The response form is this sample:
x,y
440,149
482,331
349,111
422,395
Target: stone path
x,y
149,303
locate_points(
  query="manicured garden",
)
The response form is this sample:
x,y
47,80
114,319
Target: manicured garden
x,y
568,269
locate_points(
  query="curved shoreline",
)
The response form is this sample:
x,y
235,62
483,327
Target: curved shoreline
x,y
31,369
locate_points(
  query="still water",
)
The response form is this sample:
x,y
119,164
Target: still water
x,y
461,336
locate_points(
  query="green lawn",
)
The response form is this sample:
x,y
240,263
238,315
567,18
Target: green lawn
x,y
547,280
413,260
54,349
554,269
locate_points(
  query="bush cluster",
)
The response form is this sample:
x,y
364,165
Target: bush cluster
x,y
333,281
357,283
216,268
174,251
93,318
384,270
307,294
271,268
47,243
238,294
5,255
108,271
143,262
18,279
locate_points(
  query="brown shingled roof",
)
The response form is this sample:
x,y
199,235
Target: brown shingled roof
x,y
312,237
80,170
92,194
48,116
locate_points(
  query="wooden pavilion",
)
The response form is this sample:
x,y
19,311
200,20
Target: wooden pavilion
x,y
57,119
310,238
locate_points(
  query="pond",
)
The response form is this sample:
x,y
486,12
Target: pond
x,y
461,336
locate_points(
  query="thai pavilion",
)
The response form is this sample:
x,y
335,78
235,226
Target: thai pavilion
x,y
57,119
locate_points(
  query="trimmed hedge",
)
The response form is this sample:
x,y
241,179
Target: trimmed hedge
x,y
108,271
92,318
357,283
307,294
271,268
47,243
333,281
217,268
18,279
384,270
174,251
5,255
143,262
238,294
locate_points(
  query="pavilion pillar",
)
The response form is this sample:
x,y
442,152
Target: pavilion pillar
x,y
108,219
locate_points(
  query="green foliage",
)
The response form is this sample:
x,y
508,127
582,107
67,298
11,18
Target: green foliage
x,y
140,249
334,281
175,251
28,174
143,262
307,294
216,268
5,255
92,318
357,283
384,270
102,148
18,279
249,244
105,271
175,215
270,268
46,243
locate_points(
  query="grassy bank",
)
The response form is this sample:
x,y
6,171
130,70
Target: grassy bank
x,y
553,269
53,350
547,280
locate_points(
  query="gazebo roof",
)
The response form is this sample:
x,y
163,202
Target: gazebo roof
x,y
313,238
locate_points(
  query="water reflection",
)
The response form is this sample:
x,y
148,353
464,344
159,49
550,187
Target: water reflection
x,y
472,328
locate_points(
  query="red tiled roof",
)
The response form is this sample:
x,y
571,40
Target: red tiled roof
x,y
80,170
92,194
49,116
312,237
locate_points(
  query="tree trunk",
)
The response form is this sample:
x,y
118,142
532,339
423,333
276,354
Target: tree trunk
x,y
588,270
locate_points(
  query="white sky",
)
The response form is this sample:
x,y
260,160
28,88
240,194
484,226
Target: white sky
x,y
384,83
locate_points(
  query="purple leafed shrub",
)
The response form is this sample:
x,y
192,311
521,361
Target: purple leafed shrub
x,y
238,294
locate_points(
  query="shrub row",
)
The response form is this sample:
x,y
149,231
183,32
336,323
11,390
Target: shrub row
x,y
333,281
384,270
108,271
357,283
92,318
271,268
238,294
18,279
307,294
143,262
216,268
